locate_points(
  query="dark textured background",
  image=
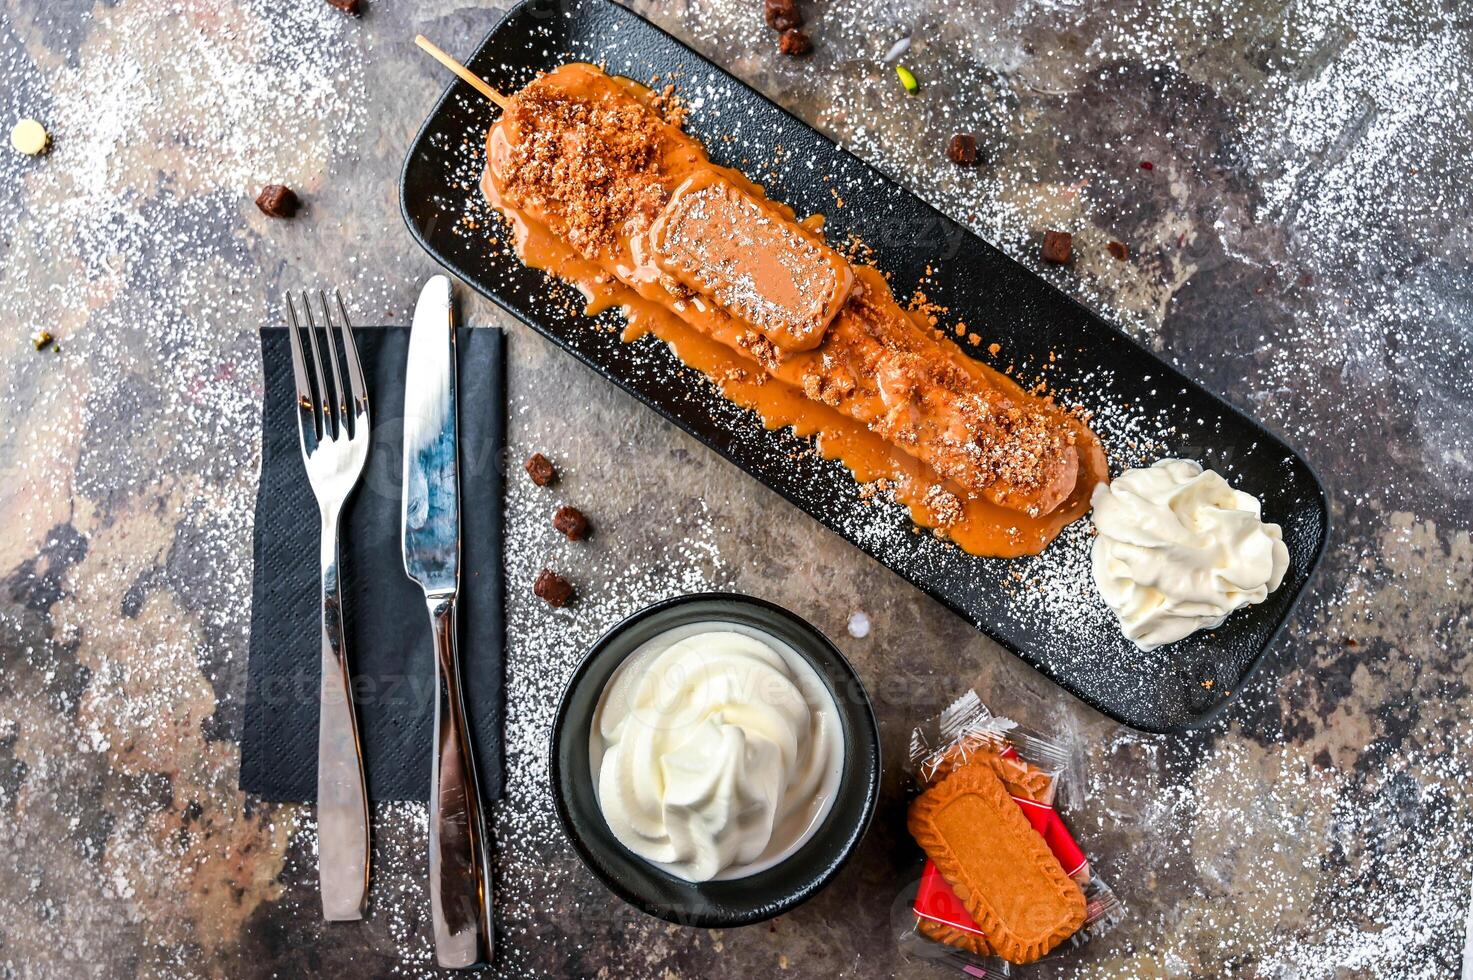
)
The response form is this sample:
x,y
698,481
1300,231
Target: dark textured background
x,y
1300,244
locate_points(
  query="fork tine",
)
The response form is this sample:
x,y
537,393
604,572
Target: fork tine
x,y
355,370
305,401
340,394
324,397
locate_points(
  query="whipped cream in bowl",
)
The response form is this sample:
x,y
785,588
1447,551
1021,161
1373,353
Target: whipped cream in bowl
x,y
715,760
716,751
1177,550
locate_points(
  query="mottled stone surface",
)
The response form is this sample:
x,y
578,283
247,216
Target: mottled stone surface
x,y
1300,243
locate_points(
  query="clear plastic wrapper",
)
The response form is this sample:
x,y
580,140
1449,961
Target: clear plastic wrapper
x,y
1036,770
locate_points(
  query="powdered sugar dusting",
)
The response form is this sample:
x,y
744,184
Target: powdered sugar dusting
x,y
1293,243
614,578
130,450
1299,243
1251,847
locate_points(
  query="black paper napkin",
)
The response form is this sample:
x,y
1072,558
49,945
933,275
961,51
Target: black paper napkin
x,y
388,628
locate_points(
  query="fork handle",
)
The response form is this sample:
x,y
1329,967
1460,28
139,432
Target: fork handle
x,y
342,797
460,870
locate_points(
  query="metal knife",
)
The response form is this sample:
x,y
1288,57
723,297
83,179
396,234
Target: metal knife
x,y
460,873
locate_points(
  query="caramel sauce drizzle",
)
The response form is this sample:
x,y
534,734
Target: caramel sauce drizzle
x,y
711,342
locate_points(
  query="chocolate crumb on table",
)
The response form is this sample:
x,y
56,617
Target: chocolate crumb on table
x,y
1118,250
540,469
1057,246
794,43
962,149
570,521
552,588
782,15
354,7
278,201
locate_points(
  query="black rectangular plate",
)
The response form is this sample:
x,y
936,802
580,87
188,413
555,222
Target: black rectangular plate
x,y
1046,608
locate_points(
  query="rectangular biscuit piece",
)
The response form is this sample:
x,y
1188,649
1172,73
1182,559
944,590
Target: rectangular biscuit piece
x,y
751,260
997,864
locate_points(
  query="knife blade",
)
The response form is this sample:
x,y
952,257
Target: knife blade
x,y
431,502
460,871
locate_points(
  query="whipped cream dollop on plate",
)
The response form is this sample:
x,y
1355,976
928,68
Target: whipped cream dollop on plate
x,y
1178,549
716,751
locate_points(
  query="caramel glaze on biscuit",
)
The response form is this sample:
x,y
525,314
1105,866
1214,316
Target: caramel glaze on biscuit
x,y
579,152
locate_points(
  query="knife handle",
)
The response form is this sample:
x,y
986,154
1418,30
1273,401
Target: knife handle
x,y
460,872
342,799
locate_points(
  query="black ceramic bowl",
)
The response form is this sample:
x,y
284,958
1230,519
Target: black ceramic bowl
x,y
738,901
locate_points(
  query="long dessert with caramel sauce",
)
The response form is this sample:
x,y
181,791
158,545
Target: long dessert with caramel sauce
x,y
603,191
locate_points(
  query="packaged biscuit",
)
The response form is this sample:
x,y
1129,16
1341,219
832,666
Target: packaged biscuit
x,y
1004,882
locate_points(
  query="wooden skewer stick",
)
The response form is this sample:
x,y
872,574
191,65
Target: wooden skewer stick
x,y
474,81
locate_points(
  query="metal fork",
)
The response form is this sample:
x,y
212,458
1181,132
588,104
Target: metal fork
x,y
334,433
